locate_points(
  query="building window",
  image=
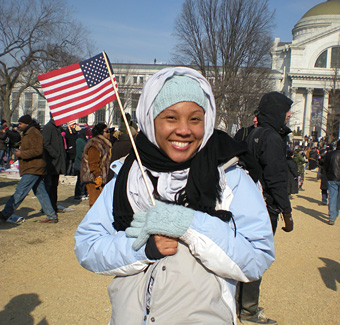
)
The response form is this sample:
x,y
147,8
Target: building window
x,y
15,115
28,106
321,60
83,120
100,115
135,98
117,79
122,99
41,117
133,115
141,80
123,79
116,116
335,57
41,103
134,79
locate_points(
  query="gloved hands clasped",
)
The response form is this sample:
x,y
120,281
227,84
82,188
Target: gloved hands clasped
x,y
162,219
289,223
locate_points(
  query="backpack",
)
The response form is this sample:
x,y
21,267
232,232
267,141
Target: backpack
x,y
249,160
253,140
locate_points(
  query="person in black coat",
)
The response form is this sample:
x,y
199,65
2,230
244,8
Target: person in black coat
x,y
267,144
71,151
293,174
55,157
322,175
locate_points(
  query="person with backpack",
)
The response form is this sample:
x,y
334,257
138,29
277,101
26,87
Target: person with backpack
x,y
266,143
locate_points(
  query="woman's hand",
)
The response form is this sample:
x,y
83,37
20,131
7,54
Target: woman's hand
x,y
166,245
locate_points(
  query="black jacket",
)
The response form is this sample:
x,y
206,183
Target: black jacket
x,y
272,150
293,173
332,165
54,151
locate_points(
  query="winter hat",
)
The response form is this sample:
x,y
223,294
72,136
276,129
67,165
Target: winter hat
x,y
26,119
179,89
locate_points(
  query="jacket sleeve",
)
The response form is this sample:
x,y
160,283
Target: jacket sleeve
x,y
275,170
240,251
100,248
32,145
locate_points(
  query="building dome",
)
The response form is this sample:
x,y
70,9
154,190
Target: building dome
x,y
326,8
318,19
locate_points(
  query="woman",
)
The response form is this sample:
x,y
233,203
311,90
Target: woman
x,y
95,161
177,262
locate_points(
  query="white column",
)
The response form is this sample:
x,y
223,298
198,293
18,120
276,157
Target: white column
x,y
324,112
293,120
308,112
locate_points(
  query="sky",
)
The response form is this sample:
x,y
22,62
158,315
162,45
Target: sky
x,y
139,31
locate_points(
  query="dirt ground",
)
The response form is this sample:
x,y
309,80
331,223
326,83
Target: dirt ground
x,y
42,283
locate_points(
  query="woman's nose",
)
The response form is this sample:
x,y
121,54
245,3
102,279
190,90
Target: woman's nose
x,y
183,128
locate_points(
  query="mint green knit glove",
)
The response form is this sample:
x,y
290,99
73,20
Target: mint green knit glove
x,y
163,219
136,224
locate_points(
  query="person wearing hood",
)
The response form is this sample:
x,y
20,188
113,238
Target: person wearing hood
x,y
178,261
267,144
32,168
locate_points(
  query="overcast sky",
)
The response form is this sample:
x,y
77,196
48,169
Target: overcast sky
x,y
138,31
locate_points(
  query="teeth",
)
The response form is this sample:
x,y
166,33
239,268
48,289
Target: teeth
x,y
179,144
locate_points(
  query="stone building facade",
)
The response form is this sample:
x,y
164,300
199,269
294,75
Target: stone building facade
x,y
305,69
309,68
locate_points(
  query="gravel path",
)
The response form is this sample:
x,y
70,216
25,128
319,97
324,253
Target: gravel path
x,y
42,282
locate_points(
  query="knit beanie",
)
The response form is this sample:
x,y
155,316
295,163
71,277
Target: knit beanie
x,y
26,119
179,89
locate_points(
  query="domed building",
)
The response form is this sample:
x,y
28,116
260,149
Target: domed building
x,y
308,70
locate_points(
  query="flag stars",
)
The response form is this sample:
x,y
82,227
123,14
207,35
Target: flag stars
x,y
94,70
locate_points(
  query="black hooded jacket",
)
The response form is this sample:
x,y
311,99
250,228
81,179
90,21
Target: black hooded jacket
x,y
271,150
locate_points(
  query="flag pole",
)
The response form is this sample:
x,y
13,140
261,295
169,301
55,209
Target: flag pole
x,y
128,129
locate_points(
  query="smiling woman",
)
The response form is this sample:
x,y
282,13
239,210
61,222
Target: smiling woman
x,y
179,128
177,262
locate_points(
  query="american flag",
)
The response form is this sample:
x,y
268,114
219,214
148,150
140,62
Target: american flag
x,y
78,89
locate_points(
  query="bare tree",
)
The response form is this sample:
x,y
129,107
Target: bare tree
x,y
333,109
35,36
229,41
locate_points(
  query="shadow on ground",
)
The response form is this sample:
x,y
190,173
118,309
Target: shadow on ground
x,y
309,199
323,217
18,310
330,273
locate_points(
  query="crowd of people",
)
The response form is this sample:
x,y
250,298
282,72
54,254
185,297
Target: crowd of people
x,y
45,153
185,222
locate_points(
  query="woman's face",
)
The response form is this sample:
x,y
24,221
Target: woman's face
x,y
179,130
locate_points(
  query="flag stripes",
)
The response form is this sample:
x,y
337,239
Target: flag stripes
x,y
74,91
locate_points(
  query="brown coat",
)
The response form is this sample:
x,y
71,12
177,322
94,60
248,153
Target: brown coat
x,y
95,160
31,160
